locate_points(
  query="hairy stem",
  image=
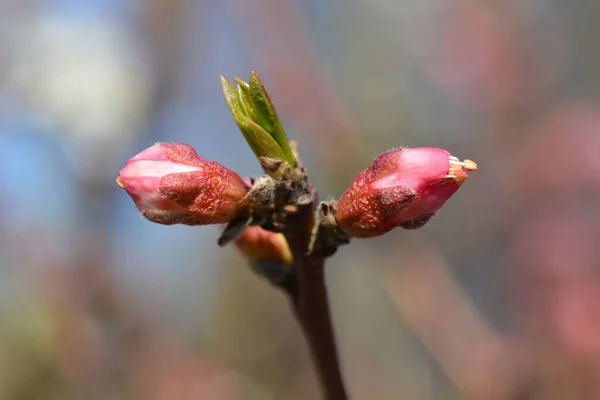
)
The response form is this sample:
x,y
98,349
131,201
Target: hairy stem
x,y
311,308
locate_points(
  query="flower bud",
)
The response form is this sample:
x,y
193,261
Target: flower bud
x,y
403,187
170,184
258,244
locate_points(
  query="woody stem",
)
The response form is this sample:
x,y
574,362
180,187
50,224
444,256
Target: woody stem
x,y
311,307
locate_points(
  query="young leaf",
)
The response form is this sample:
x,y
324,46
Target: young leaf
x,y
264,114
239,113
266,145
233,100
256,118
244,93
241,82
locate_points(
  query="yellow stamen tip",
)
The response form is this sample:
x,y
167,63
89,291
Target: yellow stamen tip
x,y
120,183
470,165
459,176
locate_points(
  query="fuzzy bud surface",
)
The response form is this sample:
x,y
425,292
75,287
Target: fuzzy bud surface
x,y
403,187
170,184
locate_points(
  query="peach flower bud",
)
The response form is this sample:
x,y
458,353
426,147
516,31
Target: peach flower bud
x,y
403,187
258,244
170,184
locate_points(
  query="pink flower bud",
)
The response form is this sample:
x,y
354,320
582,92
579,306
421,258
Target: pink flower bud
x,y
170,184
403,187
258,244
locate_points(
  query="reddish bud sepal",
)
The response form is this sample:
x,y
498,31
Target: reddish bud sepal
x,y
403,187
170,184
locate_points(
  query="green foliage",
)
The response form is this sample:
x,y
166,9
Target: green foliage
x,y
255,115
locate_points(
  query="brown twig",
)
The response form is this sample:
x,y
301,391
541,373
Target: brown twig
x,y
311,307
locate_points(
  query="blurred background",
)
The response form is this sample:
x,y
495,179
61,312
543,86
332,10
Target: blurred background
x,y
497,298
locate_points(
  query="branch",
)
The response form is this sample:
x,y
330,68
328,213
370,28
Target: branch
x,y
311,307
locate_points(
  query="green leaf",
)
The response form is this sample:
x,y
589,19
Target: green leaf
x,y
257,119
244,95
265,144
239,113
232,98
264,114
241,82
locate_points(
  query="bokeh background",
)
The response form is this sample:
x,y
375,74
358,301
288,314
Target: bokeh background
x,y
497,298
